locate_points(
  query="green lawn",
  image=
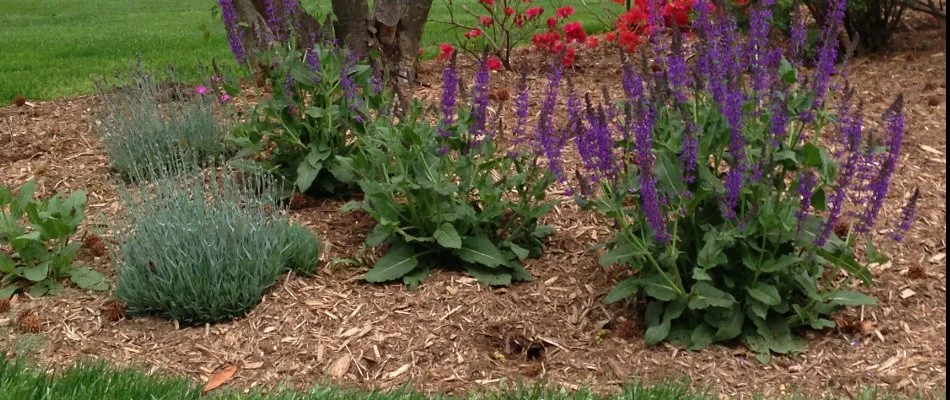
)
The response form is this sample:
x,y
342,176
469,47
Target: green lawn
x,y
96,381
52,49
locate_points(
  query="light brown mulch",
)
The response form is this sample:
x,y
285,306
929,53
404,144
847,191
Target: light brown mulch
x,y
452,334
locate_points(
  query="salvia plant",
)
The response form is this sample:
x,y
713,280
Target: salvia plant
x,y
448,194
147,117
203,247
320,96
35,247
738,192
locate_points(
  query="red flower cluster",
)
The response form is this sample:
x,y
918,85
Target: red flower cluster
x,y
633,25
553,42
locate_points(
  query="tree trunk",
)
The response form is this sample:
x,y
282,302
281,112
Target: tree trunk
x,y
351,28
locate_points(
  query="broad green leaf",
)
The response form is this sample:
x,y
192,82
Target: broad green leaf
x,y
624,289
758,308
873,254
414,278
342,169
621,254
811,156
658,288
490,276
6,265
542,231
782,264
76,200
821,323
847,263
787,72
24,198
398,262
700,274
8,291
701,337
378,235
306,173
850,298
819,200
352,205
519,274
447,236
87,278
480,250
730,327
658,332
520,252
706,295
765,293
36,273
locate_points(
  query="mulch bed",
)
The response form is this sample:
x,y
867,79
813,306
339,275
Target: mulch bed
x,y
453,335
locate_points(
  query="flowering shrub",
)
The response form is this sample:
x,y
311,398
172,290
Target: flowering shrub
x,y
447,194
735,214
508,23
304,130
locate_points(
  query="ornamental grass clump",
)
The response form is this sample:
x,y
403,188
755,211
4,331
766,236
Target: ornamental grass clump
x,y
447,194
146,119
205,246
738,190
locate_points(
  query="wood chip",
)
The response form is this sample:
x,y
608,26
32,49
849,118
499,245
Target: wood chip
x,y
931,150
219,378
254,365
399,371
937,257
907,293
339,367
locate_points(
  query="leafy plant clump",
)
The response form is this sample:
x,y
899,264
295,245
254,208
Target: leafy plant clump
x,y
304,132
738,219
146,119
35,247
449,195
206,248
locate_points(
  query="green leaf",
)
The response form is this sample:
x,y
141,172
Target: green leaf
x,y
8,291
6,265
811,156
352,205
656,287
701,337
657,332
24,198
447,236
787,72
849,298
765,293
519,274
87,278
819,200
36,273
847,263
624,289
490,276
821,323
700,274
378,235
520,252
398,262
542,231
414,278
782,264
621,254
306,174
730,327
342,169
480,250
872,253
706,295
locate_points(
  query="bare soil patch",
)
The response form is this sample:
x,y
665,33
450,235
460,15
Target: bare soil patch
x,y
453,335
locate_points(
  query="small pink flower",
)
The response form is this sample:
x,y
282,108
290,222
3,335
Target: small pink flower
x,y
224,98
201,89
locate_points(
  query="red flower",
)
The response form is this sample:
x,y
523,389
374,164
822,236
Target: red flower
x,y
678,12
632,19
488,3
474,33
533,12
519,20
592,42
573,32
565,11
629,40
742,3
509,11
546,40
552,22
445,51
493,63
485,20
610,36
569,55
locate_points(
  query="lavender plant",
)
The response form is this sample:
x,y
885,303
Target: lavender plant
x,y
447,194
304,132
735,209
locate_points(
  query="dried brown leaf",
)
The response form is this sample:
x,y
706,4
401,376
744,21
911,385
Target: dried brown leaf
x,y
219,378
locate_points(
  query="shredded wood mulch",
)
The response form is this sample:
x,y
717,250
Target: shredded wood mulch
x,y
453,335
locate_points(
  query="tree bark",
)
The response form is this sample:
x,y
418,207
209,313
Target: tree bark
x,y
351,27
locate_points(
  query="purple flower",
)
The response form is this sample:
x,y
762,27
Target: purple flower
x,y
272,17
201,89
442,150
732,109
314,63
595,143
290,93
632,81
733,185
377,81
688,152
234,30
827,55
550,144
676,69
806,187
349,86
643,137
851,126
907,215
521,109
894,126
797,38
480,100
758,52
450,87
778,122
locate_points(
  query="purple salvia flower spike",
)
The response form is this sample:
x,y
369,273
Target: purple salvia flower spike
x,y
548,143
894,128
851,124
234,30
827,56
450,87
480,101
798,37
907,216
806,187
643,137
